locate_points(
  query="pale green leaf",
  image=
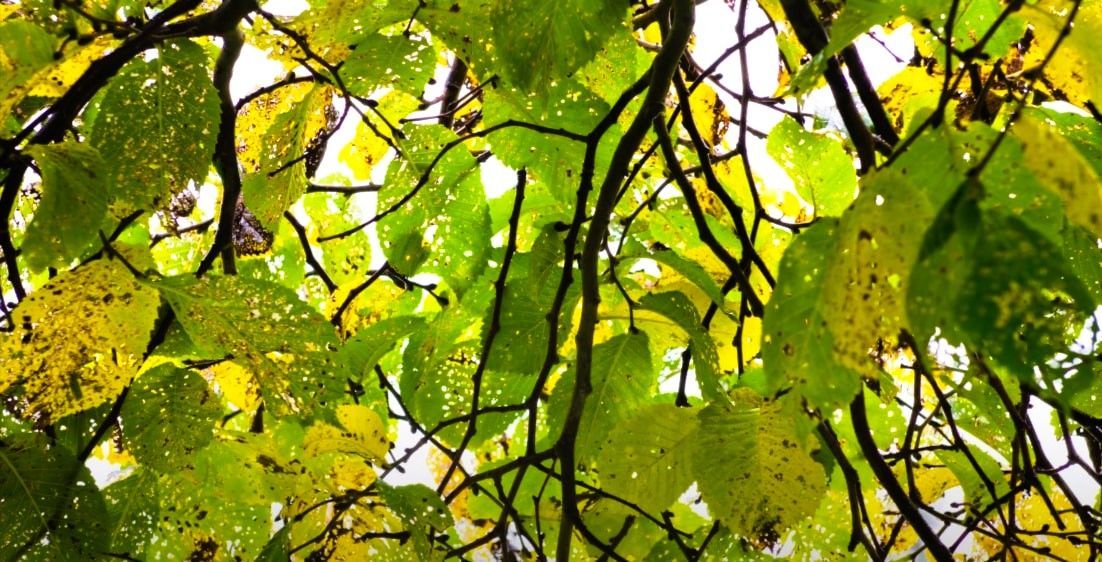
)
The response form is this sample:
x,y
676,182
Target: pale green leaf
x,y
820,168
752,470
156,127
647,457
168,415
73,206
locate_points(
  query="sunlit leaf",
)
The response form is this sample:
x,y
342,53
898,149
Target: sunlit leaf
x,y
752,469
78,341
286,345
156,127
647,457
819,166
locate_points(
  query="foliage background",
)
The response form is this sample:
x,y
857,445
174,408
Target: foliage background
x,y
563,259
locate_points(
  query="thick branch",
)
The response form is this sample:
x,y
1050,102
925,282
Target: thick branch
x,y
814,39
225,158
662,71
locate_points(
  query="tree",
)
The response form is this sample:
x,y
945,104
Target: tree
x,y
313,322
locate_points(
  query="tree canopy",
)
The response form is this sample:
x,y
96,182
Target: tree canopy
x,y
529,279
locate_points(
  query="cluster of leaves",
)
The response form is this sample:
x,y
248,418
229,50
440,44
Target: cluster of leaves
x,y
641,345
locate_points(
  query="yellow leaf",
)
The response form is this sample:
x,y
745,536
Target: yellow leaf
x,y
1034,515
709,114
368,300
255,118
56,79
237,385
114,454
78,340
362,432
364,152
907,92
732,176
351,474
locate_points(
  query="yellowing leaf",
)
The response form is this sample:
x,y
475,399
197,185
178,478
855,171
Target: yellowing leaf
x,y
254,119
35,74
351,474
237,385
709,114
276,171
56,80
752,470
1076,69
361,432
1059,166
364,152
78,340
865,289
907,92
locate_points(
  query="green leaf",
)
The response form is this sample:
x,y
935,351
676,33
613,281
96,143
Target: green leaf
x,y
278,548
134,507
169,414
447,222
521,342
647,457
417,505
819,166
1020,304
797,350
73,206
438,365
678,307
751,468
554,161
364,350
156,127
335,24
25,48
542,42
458,23
52,508
422,511
623,380
1084,259
286,345
78,340
224,495
347,259
382,61
977,495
